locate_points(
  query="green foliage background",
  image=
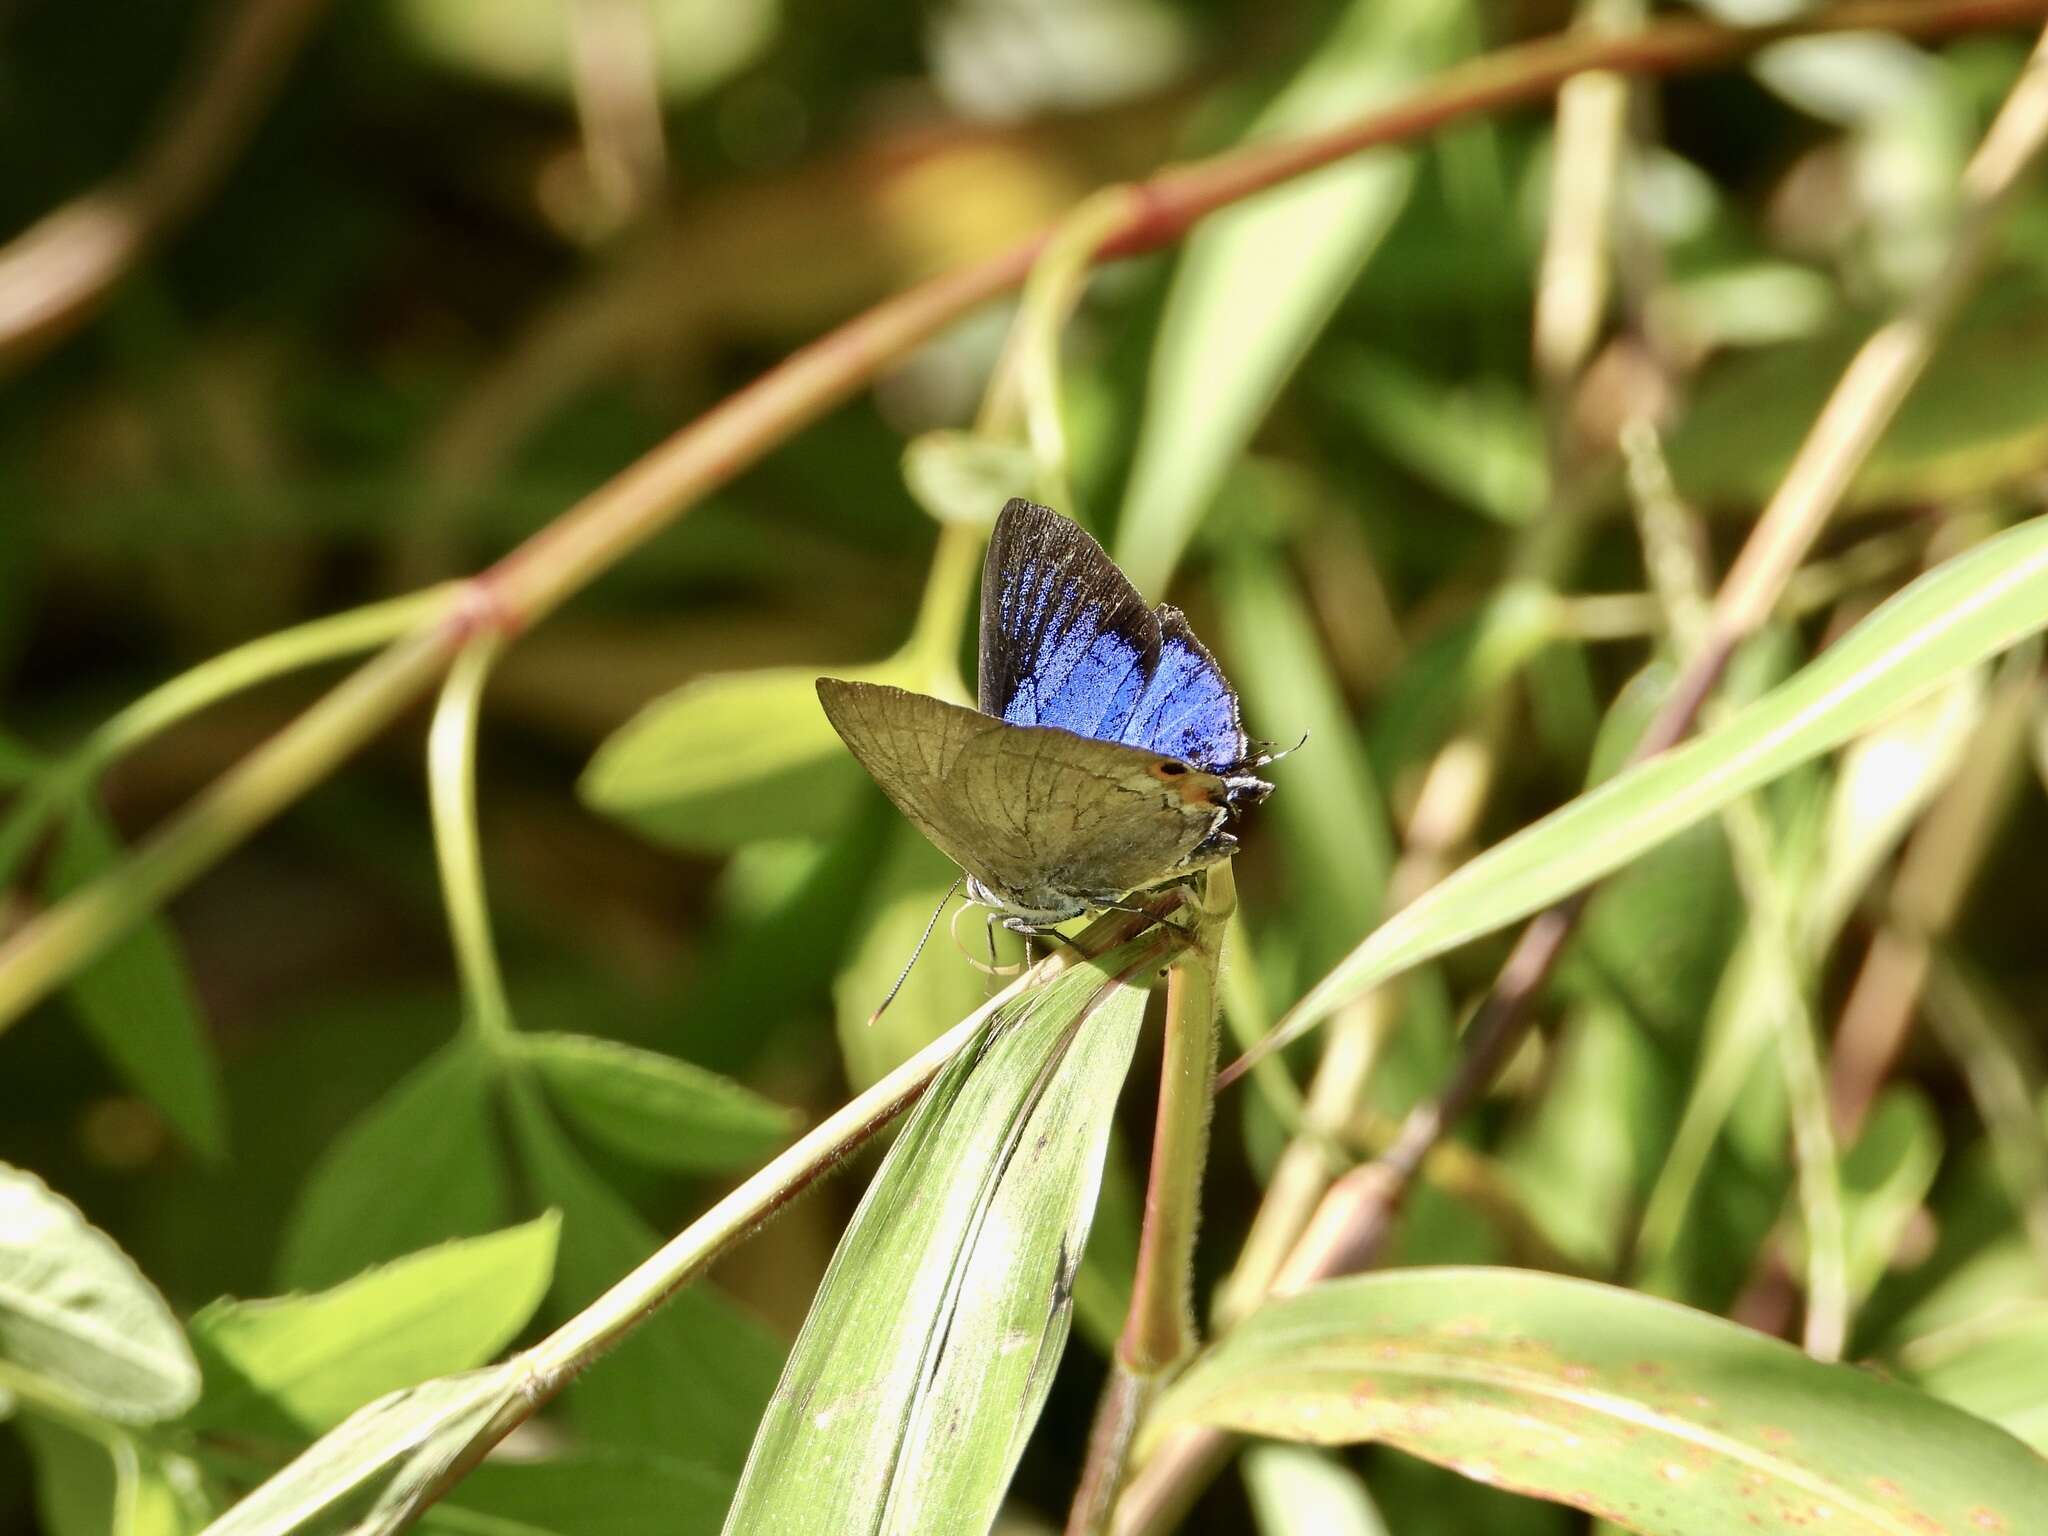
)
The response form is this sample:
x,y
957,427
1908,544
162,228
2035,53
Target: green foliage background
x,y
417,321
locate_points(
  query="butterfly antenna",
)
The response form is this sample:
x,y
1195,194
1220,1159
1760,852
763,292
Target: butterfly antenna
x,y
923,938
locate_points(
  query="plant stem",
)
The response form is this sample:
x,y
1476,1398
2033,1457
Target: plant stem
x,y
611,522
269,656
1159,1330
53,945
451,788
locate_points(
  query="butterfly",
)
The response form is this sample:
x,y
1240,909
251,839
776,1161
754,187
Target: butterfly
x,y
1106,756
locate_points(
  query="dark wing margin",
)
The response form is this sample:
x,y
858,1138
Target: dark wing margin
x,y
1065,638
1188,708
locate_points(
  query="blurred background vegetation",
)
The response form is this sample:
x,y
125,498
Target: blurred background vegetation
x,y
475,258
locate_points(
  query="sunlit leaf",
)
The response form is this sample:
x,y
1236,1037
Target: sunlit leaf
x,y
653,1108
398,1444
318,1358
1299,1492
135,999
418,1168
963,477
76,1312
1993,1365
1663,1420
1955,616
725,760
932,1343
1257,283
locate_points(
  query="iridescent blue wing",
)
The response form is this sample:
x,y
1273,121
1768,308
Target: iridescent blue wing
x,y
1066,640
1187,709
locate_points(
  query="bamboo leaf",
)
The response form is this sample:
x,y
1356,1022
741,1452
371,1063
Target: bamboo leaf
x,y
1256,284
931,1345
1663,1420
1955,616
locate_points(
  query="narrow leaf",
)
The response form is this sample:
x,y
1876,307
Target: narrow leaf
x,y
76,1311
1257,283
318,1358
1663,1420
1950,619
654,1108
930,1348
136,1001
727,759
1992,1365
418,1168
406,1439
1299,1492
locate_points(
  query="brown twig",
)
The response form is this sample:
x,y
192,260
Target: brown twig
x,y
1350,1229
55,273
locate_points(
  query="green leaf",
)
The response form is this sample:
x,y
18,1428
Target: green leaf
x,y
1955,616
963,477
529,45
932,1343
1978,416
1258,282
75,1478
692,1379
76,1311
1992,1365
586,1493
136,1001
1664,1420
654,1108
1299,1492
1591,1140
318,1358
1481,445
1885,1177
727,759
418,1168
405,1440
110,1486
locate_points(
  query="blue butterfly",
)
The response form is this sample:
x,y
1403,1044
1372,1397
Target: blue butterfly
x,y
1107,755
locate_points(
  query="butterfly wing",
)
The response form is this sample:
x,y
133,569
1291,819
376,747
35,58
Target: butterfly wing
x,y
1067,641
1048,820
1065,638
